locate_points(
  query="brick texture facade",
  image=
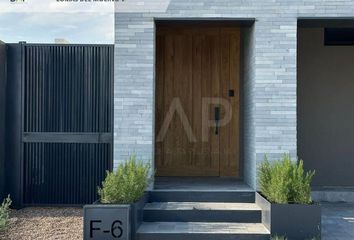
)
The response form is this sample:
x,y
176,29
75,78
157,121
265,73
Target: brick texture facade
x,y
269,83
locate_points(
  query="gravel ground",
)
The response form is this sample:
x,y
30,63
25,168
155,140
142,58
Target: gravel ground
x,y
44,223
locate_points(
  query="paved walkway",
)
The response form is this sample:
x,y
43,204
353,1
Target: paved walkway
x,y
338,221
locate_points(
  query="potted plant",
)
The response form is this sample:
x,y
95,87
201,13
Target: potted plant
x,y
118,213
285,199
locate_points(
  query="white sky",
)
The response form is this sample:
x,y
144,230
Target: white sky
x,y
41,21
78,21
45,27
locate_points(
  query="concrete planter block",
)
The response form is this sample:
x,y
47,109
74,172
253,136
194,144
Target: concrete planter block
x,y
113,221
296,221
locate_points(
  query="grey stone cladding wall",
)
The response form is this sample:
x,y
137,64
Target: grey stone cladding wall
x,y
269,87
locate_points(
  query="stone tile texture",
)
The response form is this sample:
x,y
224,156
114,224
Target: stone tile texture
x,y
269,84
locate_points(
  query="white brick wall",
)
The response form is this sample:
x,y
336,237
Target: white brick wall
x,y
270,73
249,154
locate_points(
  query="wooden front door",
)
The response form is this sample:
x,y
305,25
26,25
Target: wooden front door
x,y
197,101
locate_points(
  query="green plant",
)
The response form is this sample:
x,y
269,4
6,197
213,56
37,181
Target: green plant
x,y
5,212
285,181
127,184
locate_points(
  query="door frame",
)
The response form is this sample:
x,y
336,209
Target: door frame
x,y
241,23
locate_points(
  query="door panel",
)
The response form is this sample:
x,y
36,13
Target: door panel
x,y
194,67
230,78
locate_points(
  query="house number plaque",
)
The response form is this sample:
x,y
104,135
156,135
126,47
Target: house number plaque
x,y
106,222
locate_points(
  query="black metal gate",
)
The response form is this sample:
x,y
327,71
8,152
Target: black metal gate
x,y
64,94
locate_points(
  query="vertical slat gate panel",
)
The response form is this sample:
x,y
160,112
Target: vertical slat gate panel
x,y
68,90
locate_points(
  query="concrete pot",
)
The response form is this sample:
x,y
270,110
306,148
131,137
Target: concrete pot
x,y
113,221
295,221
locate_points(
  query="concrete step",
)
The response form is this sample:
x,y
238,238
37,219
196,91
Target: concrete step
x,y
202,231
202,212
202,196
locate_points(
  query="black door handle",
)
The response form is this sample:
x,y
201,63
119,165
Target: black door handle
x,y
217,119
